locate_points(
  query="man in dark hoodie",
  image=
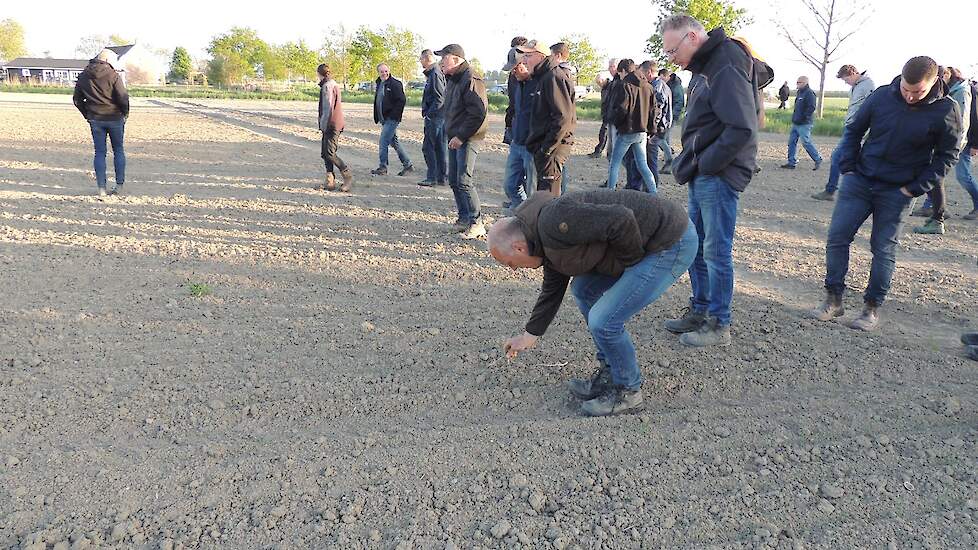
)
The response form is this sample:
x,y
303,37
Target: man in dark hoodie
x,y
631,114
623,250
783,94
389,101
553,117
914,130
101,97
466,106
435,146
717,162
802,121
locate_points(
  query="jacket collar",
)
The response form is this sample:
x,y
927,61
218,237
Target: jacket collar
x,y
938,91
528,213
545,66
463,69
702,55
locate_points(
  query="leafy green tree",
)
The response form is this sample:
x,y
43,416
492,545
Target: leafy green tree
x,y
240,53
583,56
367,50
403,48
336,51
711,13
299,61
476,66
181,66
11,40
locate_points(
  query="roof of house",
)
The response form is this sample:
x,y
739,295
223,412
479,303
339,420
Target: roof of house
x,y
46,63
120,50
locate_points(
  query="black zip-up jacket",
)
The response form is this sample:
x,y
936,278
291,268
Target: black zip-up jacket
x,y
606,92
553,116
433,98
394,100
910,146
100,93
603,231
632,106
466,105
720,132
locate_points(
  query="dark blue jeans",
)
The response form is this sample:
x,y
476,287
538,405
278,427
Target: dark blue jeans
x,y
116,130
713,210
858,199
435,149
608,302
461,164
833,184
521,175
388,138
804,133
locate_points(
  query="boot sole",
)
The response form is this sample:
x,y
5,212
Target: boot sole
x,y
677,331
821,317
631,410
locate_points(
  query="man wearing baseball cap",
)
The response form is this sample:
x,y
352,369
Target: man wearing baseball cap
x,y
553,117
466,106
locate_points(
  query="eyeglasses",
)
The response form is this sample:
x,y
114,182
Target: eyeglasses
x,y
672,52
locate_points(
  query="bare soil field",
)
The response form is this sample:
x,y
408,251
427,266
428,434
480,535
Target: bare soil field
x,y
339,383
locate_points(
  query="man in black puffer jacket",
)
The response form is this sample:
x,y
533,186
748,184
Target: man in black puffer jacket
x,y
466,106
717,161
914,131
101,97
553,119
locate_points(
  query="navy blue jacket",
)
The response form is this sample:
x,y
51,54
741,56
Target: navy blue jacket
x,y
720,132
433,98
910,146
804,107
522,98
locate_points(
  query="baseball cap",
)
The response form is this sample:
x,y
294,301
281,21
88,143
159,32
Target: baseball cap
x,y
846,70
533,46
451,49
511,60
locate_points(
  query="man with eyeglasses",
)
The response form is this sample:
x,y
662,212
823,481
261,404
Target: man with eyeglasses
x,y
717,162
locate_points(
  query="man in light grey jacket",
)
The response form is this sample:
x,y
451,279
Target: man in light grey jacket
x,y
862,86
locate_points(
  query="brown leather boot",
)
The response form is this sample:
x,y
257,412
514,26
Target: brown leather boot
x,y
831,308
347,180
868,320
330,181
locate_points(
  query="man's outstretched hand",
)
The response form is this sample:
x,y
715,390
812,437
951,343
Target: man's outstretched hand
x,y
516,344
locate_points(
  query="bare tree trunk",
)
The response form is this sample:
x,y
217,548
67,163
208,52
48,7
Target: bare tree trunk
x,y
821,91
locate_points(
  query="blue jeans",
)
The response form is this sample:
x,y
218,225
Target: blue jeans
x,y
116,130
833,184
665,147
435,149
966,177
630,142
461,163
633,178
608,302
803,132
521,174
388,138
858,199
713,209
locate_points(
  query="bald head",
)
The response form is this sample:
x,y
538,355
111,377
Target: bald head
x,y
508,245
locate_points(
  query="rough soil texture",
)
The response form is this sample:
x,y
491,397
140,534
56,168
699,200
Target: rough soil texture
x,y
342,383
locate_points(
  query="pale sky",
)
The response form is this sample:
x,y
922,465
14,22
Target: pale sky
x,y
897,30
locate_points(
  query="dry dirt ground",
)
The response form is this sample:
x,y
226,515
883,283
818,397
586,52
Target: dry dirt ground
x,y
342,386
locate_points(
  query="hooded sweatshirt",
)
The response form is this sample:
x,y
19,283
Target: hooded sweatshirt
x,y
910,146
100,93
554,117
330,106
960,91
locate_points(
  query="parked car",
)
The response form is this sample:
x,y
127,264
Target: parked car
x,y
498,89
415,85
366,87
